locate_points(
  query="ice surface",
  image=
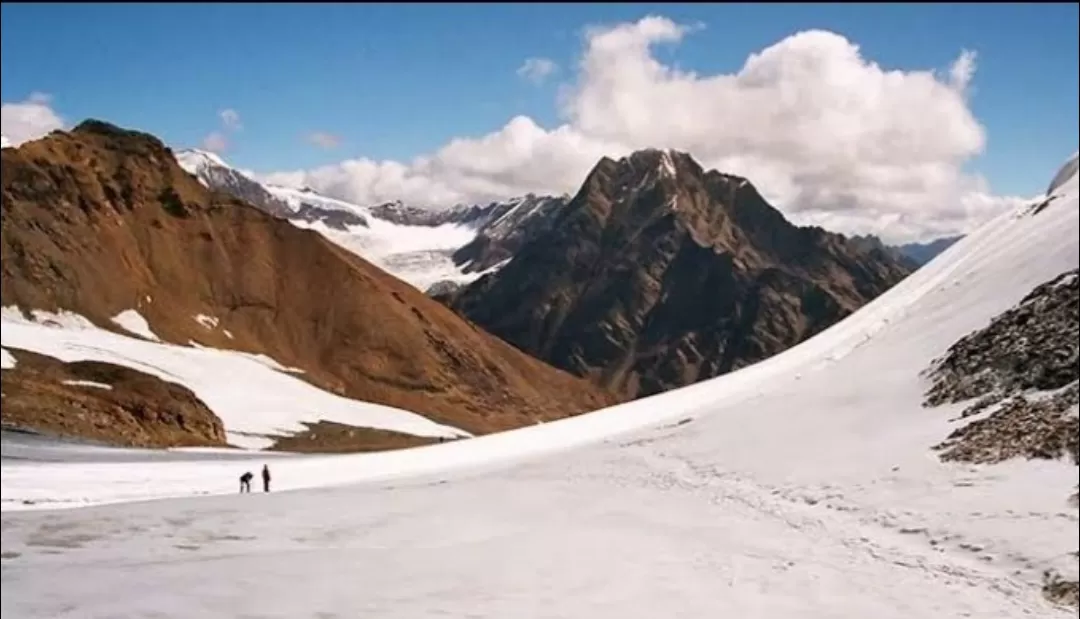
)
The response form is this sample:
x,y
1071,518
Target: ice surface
x,y
801,487
253,394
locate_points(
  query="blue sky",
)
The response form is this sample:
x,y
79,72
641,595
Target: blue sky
x,y
396,81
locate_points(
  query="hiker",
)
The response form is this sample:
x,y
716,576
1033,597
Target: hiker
x,y
266,478
245,482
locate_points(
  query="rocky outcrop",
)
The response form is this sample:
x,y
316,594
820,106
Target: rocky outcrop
x,y
104,402
658,274
1033,346
100,220
1060,590
1021,373
444,289
1019,427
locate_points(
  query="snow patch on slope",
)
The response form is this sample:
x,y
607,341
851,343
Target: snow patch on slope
x,y
88,383
252,394
133,322
208,322
7,360
198,162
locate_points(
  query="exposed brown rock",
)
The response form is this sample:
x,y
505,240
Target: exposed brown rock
x,y
1031,349
1032,346
99,220
104,402
330,437
1020,427
658,274
1061,591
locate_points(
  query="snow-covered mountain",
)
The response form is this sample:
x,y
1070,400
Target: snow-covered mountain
x,y
420,246
806,485
213,172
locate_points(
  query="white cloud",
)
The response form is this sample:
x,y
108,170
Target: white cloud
x,y
230,119
827,135
215,142
536,70
323,139
218,140
29,119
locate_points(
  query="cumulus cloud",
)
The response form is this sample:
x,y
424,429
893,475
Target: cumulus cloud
x,y
219,140
537,70
827,135
215,142
323,140
29,119
230,119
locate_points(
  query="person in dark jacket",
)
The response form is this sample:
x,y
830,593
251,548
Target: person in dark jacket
x,y
245,482
266,478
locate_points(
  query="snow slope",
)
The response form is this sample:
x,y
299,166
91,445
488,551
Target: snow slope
x,y
803,486
252,394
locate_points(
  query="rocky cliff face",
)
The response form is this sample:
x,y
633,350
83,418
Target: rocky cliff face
x,y
514,225
658,274
99,219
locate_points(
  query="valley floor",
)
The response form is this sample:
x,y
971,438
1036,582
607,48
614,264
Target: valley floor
x,y
640,531
801,487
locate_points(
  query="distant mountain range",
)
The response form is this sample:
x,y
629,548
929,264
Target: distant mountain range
x,y
654,275
915,254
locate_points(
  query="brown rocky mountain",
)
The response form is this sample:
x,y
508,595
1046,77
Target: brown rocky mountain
x,y
99,219
658,274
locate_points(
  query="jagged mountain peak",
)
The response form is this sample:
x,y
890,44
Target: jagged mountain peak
x,y
659,273
199,159
214,172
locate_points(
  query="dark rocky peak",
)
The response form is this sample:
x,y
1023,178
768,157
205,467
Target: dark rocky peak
x,y
718,210
657,274
129,141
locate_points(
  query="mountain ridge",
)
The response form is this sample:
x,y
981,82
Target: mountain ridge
x,y
613,290
125,227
